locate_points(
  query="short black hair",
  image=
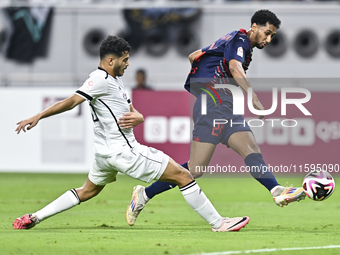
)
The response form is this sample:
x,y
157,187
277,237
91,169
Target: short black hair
x,y
261,18
113,45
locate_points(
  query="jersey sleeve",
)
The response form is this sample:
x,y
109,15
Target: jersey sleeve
x,y
237,49
93,88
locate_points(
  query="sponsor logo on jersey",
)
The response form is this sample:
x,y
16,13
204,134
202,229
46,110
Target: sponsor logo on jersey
x,y
240,52
90,84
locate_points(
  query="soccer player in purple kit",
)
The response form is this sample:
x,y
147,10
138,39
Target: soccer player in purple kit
x,y
225,62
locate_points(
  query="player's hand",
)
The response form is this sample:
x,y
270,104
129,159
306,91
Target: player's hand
x,y
32,122
257,105
130,120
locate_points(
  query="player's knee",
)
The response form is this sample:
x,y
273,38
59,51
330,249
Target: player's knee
x,y
184,177
255,148
196,170
196,174
250,149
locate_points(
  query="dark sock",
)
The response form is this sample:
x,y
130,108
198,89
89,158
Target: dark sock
x,y
159,187
259,170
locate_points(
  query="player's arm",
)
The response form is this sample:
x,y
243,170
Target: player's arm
x,y
240,77
194,55
131,119
57,108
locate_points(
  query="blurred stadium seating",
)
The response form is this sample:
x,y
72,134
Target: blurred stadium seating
x,y
309,38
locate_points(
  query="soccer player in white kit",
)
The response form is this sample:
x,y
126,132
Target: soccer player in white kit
x,y
116,149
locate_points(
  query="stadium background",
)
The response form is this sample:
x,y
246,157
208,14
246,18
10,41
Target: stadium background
x,y
305,54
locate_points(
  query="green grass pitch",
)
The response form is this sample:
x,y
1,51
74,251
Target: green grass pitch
x,y
167,225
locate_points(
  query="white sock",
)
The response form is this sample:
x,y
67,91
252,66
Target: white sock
x,y
201,204
274,189
66,201
146,198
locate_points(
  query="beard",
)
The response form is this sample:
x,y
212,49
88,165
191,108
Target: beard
x,y
259,46
119,71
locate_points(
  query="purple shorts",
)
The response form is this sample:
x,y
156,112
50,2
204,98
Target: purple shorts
x,y
219,122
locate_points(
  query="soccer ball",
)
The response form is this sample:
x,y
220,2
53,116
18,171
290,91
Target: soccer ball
x,y
318,185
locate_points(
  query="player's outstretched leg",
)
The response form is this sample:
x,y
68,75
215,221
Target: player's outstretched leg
x,y
138,202
281,195
66,201
259,170
196,198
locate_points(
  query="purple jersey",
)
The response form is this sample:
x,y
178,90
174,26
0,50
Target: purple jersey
x,y
213,63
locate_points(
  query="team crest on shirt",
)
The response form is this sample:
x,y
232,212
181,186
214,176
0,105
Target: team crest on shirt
x,y
240,52
89,84
125,96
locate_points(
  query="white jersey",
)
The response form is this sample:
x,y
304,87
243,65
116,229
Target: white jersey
x,y
108,102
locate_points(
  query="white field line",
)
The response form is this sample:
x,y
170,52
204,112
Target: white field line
x,y
272,250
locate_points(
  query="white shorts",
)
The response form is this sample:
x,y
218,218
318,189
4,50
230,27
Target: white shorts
x,y
141,162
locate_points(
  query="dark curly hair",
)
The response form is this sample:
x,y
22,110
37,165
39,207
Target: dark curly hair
x,y
261,18
113,45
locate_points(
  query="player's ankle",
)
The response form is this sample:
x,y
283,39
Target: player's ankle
x,y
217,224
145,197
35,218
273,190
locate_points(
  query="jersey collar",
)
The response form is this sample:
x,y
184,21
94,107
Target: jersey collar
x,y
243,30
107,74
